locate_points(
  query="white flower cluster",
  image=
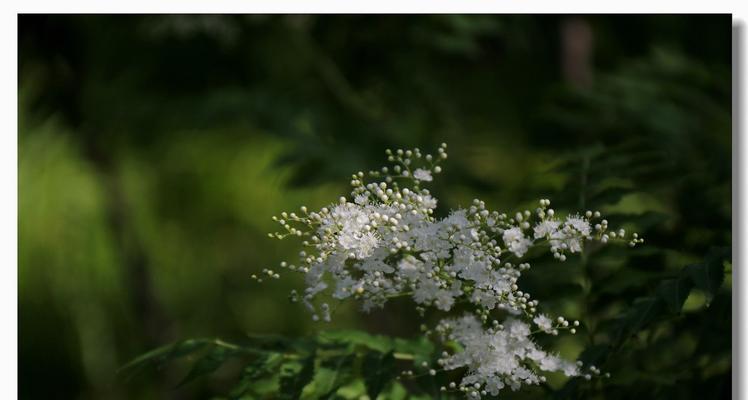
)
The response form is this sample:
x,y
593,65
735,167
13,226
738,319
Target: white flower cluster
x,y
503,355
387,243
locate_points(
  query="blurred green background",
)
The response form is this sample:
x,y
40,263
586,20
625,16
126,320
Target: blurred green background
x,y
153,151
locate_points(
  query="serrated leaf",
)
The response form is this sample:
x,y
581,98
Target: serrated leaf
x,y
277,343
674,292
262,365
644,312
331,375
293,380
707,277
207,364
163,355
378,343
641,314
378,370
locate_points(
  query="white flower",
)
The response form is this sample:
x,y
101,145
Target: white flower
x,y
546,228
516,241
422,175
428,202
367,242
579,224
344,287
409,267
387,243
544,323
352,224
498,357
361,200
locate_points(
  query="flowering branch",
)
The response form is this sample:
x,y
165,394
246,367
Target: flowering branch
x,y
384,242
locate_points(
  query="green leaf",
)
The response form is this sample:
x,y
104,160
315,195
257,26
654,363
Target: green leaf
x,y
332,374
421,349
644,312
709,275
261,366
674,292
208,364
294,377
641,314
378,370
280,344
163,355
378,343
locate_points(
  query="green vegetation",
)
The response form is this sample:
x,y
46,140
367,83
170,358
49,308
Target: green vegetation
x,y
154,149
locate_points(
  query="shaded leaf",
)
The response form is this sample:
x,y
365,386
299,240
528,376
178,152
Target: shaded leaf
x,y
207,364
709,275
279,343
163,355
293,379
261,366
674,292
641,314
378,343
332,374
378,370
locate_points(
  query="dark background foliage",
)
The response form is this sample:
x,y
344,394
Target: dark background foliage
x,y
154,149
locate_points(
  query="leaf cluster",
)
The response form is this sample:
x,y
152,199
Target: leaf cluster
x,y
330,365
